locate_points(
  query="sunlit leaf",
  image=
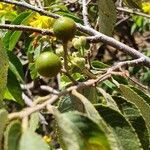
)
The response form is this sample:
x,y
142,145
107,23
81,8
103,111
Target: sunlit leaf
x,y
12,135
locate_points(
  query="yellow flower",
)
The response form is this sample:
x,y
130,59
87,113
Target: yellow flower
x,y
7,11
47,139
40,21
146,7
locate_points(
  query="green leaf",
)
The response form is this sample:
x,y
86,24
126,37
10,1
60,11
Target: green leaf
x,y
12,135
32,141
125,134
66,81
3,121
15,66
120,79
108,99
70,103
33,71
133,114
107,16
12,37
83,132
108,86
142,105
98,65
91,94
3,70
134,3
34,121
141,94
13,91
93,114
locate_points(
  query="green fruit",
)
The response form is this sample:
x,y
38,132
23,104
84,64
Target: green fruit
x,y
48,64
79,62
64,28
79,42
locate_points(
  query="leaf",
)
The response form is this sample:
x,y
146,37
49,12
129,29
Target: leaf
x,y
141,94
91,94
142,105
108,99
93,114
125,134
70,103
12,135
120,79
12,37
134,3
32,141
107,16
3,70
90,110
16,66
3,121
13,91
33,71
98,65
108,86
83,132
133,114
34,121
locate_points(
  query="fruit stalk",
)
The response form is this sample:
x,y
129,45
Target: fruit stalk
x,y
65,56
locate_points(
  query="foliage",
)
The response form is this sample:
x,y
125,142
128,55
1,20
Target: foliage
x,y
86,103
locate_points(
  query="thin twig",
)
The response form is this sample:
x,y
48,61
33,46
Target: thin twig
x,y
131,11
24,123
26,28
31,103
126,63
29,110
28,6
120,46
49,89
139,84
85,13
65,44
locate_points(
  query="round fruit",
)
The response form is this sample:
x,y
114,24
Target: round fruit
x,y
48,64
64,28
78,61
79,42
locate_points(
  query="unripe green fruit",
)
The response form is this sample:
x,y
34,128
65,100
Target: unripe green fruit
x,y
48,64
64,28
82,40
79,42
76,43
79,62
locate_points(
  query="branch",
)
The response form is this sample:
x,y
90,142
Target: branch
x,y
28,6
26,28
126,63
29,110
85,13
120,46
131,11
